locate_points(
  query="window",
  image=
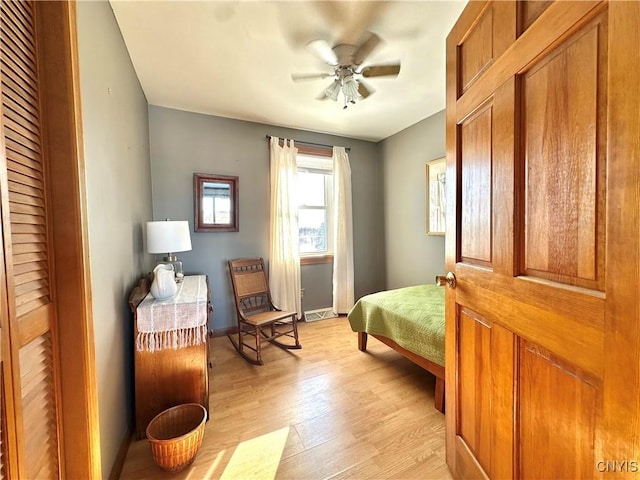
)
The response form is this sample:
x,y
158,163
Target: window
x,y
315,197
216,203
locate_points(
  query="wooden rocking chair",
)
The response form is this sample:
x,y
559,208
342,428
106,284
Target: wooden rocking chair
x,y
256,312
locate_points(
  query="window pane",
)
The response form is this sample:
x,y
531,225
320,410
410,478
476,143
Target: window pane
x,y
313,230
311,189
222,210
216,210
207,209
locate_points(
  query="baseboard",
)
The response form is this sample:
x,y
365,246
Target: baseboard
x,y
223,332
118,464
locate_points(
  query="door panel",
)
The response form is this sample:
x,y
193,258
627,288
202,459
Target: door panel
x,y
562,226
529,11
476,51
485,41
542,174
557,417
474,369
475,168
485,391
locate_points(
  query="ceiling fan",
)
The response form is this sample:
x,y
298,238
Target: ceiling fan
x,y
346,61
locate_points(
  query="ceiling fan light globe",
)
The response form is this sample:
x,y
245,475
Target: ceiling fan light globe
x,y
350,89
333,90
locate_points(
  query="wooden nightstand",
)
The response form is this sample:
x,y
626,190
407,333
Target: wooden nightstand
x,y
167,376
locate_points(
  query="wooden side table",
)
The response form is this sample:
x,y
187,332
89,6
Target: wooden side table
x,y
164,376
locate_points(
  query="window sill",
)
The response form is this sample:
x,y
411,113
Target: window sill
x,y
316,259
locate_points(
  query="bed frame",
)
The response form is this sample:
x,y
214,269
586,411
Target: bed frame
x,y
428,365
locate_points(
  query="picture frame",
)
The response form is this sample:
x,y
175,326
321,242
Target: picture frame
x,y
436,196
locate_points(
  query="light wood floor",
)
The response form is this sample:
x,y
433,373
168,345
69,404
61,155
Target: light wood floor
x,y
326,411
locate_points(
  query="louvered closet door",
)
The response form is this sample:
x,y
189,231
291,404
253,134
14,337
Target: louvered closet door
x,y
28,367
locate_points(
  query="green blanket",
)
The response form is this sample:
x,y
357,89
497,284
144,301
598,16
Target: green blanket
x,y
413,317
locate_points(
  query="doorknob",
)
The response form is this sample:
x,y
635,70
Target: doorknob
x,y
449,279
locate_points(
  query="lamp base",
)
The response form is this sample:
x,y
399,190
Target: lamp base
x,y
177,266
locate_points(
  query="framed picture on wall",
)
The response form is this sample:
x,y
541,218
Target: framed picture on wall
x,y
436,204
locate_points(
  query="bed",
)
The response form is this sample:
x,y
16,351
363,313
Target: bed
x,y
411,321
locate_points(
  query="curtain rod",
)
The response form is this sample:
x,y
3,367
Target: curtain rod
x,y
311,144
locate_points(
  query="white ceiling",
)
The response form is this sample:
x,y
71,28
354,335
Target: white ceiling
x,y
235,59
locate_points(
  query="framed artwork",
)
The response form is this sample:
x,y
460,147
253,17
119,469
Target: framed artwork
x,y
436,203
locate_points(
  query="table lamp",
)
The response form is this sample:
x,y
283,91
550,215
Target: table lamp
x,y
169,237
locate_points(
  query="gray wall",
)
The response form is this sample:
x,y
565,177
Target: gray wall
x,y
118,179
184,143
316,298
412,256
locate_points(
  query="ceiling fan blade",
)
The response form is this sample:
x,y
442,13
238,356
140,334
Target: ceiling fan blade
x,y
371,42
349,20
364,90
381,70
323,51
297,77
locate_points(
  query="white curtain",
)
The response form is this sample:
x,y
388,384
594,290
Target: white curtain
x,y
343,297
284,257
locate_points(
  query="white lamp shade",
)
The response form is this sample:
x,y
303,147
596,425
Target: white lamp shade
x,y
168,236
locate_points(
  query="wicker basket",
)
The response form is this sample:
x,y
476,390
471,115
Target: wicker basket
x,y
175,436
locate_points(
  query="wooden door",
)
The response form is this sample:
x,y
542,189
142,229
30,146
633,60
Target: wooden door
x,y
543,235
48,396
29,363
